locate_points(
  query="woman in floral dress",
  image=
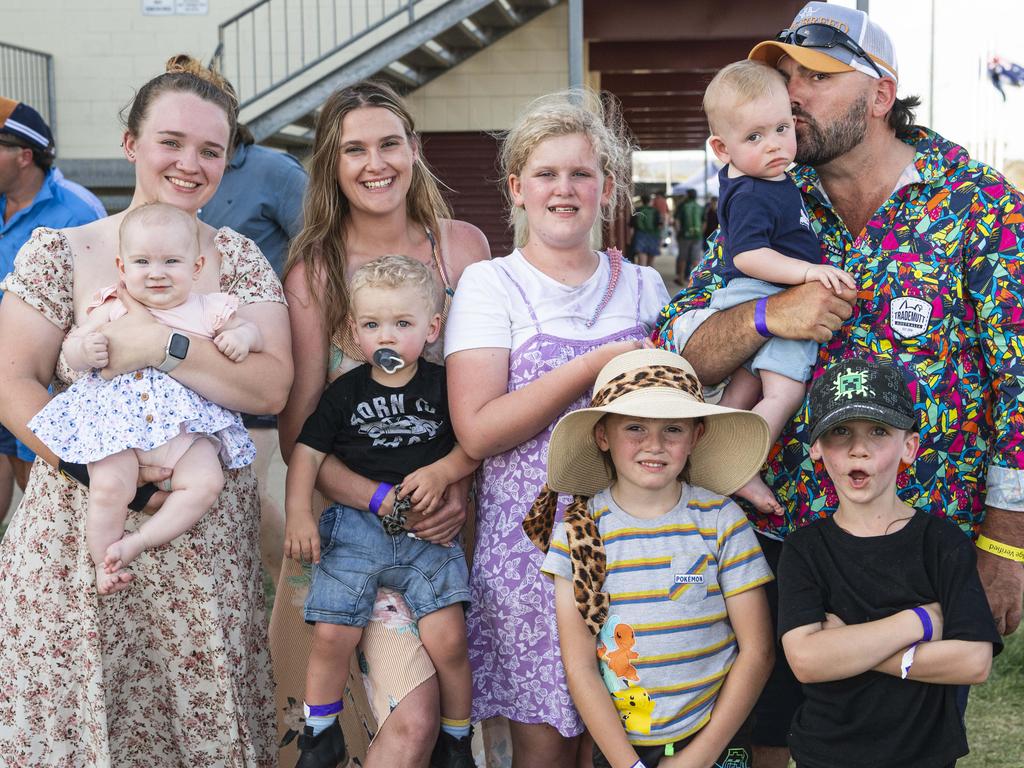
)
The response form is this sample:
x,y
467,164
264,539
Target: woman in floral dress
x,y
175,671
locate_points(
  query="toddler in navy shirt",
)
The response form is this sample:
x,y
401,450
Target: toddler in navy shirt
x,y
768,243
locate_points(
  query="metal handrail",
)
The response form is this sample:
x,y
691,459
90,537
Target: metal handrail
x,y
274,41
26,75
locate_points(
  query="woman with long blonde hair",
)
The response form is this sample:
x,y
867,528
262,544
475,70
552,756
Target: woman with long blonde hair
x,y
370,194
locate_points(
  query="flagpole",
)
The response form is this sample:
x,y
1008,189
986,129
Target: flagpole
x,y
931,74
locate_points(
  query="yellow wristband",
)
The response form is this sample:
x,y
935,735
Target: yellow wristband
x,y
1000,549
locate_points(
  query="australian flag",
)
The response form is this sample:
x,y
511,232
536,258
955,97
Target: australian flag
x,y
1000,72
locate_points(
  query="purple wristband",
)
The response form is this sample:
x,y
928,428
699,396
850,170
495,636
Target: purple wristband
x,y
378,497
760,323
926,622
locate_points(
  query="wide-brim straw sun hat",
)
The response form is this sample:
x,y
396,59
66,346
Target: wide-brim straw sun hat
x,y
657,384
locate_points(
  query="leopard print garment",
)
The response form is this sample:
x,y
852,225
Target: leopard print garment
x,y
586,551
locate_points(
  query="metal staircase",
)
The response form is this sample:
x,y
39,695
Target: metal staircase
x,y
285,57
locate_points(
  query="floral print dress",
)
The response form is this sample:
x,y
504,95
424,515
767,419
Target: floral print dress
x,y
174,671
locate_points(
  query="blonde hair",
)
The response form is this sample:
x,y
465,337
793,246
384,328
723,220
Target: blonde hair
x,y
158,215
320,246
396,271
582,111
738,84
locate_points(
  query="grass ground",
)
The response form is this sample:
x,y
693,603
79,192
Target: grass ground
x,y
995,714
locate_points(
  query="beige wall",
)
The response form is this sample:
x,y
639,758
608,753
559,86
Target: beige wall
x,y
486,92
103,50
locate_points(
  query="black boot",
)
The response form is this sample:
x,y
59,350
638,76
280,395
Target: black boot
x,y
450,752
326,750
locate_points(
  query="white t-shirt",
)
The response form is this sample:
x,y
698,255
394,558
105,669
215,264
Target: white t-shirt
x,y
489,311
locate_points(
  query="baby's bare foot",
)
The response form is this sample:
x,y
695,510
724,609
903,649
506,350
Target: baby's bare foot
x,y
761,496
123,552
108,583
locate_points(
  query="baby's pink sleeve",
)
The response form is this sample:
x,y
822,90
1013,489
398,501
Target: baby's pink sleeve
x,y
108,294
218,309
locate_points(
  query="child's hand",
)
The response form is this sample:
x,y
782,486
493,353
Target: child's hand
x,y
597,358
301,537
426,487
94,347
830,277
234,343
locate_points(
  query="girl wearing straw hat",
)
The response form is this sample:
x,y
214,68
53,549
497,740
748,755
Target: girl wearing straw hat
x,y
655,560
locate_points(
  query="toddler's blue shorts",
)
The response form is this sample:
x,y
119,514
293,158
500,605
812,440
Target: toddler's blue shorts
x,y
357,556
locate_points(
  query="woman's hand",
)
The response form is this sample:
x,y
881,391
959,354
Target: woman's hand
x,y
444,525
136,340
155,475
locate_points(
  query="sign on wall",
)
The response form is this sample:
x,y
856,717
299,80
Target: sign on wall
x,y
175,7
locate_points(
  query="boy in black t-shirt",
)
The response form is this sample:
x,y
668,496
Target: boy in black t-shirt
x,y
881,611
388,421
768,243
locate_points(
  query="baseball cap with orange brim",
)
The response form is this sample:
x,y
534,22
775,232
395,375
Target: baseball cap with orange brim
x,y
830,38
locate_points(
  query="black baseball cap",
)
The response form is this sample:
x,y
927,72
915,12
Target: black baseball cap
x,y
859,389
26,125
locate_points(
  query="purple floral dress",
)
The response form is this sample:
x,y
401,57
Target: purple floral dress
x,y
513,638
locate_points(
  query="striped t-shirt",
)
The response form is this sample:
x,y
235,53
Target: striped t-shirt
x,y
667,645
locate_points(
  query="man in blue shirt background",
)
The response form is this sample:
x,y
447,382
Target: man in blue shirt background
x,y
260,197
30,197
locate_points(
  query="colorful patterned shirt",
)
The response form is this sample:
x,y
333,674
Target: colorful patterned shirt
x,y
939,270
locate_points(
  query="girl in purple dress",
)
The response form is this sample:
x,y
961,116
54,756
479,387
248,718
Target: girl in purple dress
x,y
526,336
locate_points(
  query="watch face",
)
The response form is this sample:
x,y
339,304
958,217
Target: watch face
x,y
179,346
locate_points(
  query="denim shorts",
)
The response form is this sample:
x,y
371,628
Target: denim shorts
x,y
8,445
357,557
791,358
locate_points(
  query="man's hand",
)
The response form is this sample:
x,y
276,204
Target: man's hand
x,y
1002,579
809,311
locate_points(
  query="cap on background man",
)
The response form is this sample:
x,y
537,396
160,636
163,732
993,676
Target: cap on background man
x,y
26,127
21,122
826,37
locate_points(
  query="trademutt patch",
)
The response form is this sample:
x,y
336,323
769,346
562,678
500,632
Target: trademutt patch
x,y
909,316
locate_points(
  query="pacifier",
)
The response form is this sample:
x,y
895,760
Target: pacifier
x,y
388,360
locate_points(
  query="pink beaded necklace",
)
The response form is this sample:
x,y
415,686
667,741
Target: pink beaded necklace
x,y
614,270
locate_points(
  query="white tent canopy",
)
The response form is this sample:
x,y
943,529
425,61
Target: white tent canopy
x,y
705,181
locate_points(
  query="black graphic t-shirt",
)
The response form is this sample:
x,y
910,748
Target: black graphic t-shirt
x,y
383,433
874,719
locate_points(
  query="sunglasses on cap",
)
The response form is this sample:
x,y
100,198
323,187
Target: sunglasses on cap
x,y
825,36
